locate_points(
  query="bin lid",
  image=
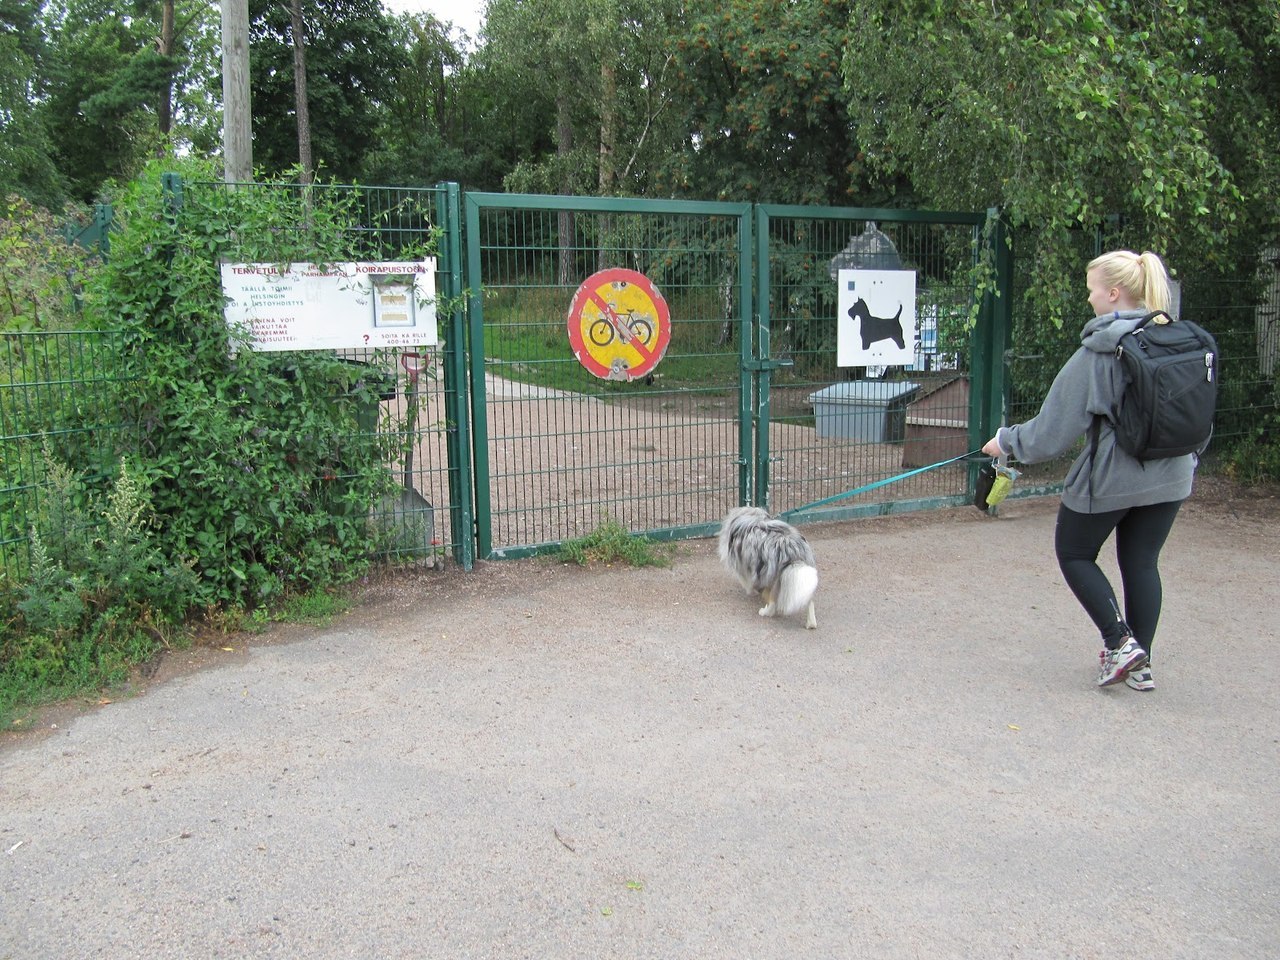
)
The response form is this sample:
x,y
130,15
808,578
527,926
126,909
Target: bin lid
x,y
864,392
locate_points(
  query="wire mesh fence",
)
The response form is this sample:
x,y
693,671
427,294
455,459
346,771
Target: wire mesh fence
x,y
833,427
62,401
513,433
561,449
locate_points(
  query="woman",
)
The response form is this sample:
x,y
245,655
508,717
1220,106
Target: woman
x,y
1106,489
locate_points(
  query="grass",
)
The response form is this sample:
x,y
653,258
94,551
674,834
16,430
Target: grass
x,y
612,543
40,671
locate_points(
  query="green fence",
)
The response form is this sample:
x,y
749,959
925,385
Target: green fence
x,y
558,450
61,399
825,428
506,442
749,403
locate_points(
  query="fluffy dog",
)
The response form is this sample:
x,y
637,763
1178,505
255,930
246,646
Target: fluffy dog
x,y
772,558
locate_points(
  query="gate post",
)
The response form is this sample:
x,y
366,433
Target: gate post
x,y
992,337
457,422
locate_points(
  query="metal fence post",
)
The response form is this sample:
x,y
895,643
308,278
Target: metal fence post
x,y
457,429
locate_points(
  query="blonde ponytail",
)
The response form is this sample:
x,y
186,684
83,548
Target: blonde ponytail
x,y
1155,289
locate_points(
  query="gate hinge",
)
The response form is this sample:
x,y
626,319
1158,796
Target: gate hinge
x,y
757,365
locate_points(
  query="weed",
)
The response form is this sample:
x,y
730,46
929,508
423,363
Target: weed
x,y
611,542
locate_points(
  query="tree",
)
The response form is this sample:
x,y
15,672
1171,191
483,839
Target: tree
x,y
762,115
109,98
353,59
438,124
26,150
1063,116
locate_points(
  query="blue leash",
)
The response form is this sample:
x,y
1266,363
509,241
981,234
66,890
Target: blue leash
x,y
878,484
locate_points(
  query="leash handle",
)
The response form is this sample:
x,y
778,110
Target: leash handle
x,y
879,483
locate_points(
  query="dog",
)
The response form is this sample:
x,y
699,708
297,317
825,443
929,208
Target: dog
x,y
874,329
772,558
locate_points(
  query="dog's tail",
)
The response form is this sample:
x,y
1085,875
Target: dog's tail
x,y
796,587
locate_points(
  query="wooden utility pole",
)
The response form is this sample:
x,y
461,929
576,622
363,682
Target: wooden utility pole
x,y
237,129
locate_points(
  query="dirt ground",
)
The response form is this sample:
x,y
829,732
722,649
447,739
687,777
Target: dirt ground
x,y
538,760
1225,504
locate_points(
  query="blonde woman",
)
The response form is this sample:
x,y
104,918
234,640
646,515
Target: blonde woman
x,y
1106,489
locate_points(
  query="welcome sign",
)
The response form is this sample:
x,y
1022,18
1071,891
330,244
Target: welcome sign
x,y
304,306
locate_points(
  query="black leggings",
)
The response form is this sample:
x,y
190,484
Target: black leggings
x,y
1140,535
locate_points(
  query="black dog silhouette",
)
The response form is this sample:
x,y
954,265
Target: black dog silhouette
x,y
874,329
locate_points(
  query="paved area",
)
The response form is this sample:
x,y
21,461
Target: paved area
x,y
547,762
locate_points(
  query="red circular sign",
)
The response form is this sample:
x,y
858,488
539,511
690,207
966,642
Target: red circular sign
x,y
619,324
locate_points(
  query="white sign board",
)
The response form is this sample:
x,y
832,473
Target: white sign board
x,y
302,306
876,318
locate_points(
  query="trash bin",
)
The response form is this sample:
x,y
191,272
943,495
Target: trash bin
x,y
873,411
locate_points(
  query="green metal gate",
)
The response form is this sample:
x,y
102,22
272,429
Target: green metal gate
x,y
735,412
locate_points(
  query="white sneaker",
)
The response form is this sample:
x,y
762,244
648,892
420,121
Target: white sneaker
x,y
1117,664
1141,679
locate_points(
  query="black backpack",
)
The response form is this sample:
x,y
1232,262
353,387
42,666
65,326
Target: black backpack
x,y
1171,377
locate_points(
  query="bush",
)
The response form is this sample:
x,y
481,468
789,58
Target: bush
x,y
261,473
40,271
101,594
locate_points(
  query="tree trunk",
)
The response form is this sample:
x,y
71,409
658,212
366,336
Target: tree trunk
x,y
608,174
165,109
564,146
608,127
300,91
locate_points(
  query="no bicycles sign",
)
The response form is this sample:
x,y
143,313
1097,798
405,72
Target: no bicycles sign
x,y
619,325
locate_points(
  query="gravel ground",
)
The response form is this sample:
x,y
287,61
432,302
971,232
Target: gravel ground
x,y
534,760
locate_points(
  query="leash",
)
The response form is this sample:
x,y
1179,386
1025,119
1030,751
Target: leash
x,y
879,483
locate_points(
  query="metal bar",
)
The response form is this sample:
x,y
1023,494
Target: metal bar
x,y
552,202
780,211
457,425
479,408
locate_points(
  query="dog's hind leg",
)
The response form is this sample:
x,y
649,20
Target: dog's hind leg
x,y
811,622
770,602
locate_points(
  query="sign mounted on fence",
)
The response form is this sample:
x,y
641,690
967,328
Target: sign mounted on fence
x,y
619,325
303,306
875,318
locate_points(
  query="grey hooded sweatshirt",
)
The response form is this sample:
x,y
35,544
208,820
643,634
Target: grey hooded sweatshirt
x,y
1089,384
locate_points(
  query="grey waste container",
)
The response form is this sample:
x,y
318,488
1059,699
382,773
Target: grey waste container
x,y
874,411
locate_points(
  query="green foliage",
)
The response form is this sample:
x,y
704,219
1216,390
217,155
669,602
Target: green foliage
x,y
101,594
762,116
612,543
354,53
432,128
1060,117
316,607
1255,458
261,465
26,151
41,273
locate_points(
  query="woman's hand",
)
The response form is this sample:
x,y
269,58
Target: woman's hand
x,y
992,448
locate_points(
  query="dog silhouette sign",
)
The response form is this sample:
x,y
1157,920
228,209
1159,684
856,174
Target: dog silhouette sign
x,y
876,317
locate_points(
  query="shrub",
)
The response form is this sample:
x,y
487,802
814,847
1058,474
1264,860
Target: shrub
x,y
101,594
